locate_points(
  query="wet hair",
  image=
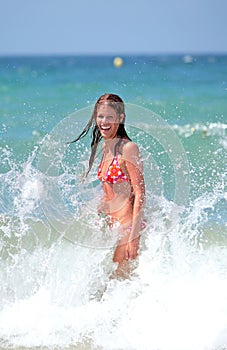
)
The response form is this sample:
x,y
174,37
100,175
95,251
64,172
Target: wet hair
x,y
117,104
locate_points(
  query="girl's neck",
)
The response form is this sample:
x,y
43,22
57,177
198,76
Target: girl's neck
x,y
110,144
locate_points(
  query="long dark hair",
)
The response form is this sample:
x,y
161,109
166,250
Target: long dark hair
x,y
117,104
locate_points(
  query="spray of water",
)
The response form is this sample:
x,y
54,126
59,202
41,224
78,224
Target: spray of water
x,y
56,292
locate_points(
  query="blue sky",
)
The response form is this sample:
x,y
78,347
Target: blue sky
x,y
114,27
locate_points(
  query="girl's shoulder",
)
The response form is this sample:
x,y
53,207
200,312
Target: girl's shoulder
x,y
130,147
130,152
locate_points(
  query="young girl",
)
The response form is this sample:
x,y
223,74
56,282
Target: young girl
x,y
121,174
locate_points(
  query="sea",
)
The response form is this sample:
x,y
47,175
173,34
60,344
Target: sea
x,y
57,290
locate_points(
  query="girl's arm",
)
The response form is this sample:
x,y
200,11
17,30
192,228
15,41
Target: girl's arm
x,y
135,170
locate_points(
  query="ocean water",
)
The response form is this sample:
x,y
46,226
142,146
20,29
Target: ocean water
x,y
56,256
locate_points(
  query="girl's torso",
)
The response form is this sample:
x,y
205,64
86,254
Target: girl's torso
x,y
118,194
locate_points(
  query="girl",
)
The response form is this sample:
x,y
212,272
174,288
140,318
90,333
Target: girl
x,y
121,174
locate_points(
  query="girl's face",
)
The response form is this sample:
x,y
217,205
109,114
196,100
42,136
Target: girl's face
x,y
107,121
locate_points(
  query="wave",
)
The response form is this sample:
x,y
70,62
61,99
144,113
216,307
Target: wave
x,y
58,294
205,130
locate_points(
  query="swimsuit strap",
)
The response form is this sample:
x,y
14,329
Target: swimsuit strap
x,y
117,147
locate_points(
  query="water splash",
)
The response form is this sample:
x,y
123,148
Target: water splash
x,y
56,294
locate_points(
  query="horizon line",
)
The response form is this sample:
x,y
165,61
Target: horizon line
x,y
113,54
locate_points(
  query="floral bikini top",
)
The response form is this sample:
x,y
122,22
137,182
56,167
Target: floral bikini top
x,y
114,172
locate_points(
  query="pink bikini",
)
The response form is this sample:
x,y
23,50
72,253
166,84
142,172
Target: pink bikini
x,y
114,173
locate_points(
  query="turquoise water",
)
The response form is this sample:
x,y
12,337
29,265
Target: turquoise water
x,y
57,294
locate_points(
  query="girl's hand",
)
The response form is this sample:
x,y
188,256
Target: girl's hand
x,y
132,248
102,208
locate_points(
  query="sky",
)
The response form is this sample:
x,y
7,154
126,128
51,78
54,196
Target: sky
x,y
112,27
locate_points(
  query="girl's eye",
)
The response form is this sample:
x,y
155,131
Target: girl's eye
x,y
109,117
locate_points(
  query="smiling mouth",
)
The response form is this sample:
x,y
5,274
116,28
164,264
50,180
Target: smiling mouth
x,y
105,127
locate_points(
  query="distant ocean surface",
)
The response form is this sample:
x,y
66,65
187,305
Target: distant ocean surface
x,y
55,294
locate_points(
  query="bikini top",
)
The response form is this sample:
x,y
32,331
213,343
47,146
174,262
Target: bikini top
x,y
114,172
